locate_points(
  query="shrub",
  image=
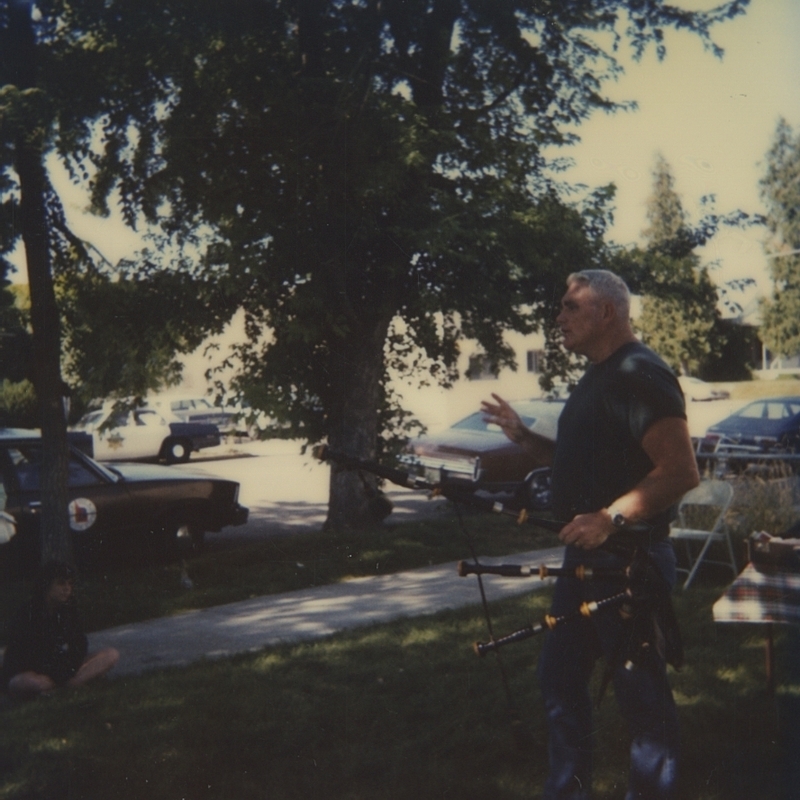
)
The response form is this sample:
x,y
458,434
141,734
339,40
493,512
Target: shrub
x,y
764,503
18,407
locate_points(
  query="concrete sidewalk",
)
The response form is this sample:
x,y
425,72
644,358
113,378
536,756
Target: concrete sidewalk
x,y
250,625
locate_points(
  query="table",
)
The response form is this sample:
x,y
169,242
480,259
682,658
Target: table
x,y
764,595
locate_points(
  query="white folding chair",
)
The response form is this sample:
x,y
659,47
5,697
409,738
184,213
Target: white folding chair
x,y
715,495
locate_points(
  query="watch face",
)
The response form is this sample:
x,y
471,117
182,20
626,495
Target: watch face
x,y
618,520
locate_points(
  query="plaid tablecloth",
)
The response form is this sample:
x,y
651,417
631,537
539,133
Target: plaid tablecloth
x,y
761,596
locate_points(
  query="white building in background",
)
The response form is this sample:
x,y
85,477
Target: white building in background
x,y
434,406
437,408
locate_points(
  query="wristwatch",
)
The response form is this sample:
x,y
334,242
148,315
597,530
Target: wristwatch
x,y
617,517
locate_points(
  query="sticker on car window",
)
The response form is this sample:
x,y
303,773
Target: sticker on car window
x,y
82,514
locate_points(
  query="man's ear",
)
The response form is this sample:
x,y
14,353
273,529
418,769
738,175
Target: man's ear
x,y
609,312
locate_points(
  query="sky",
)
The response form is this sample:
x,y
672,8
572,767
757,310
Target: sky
x,y
713,121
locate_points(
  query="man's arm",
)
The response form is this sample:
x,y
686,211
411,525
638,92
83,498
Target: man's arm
x,y
669,446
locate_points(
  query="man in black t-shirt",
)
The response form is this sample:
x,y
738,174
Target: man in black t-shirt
x,y
599,455
623,456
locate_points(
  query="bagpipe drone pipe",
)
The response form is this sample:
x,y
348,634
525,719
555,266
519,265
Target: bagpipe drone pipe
x,y
642,597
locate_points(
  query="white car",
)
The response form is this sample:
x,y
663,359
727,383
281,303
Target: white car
x,y
124,434
697,390
195,409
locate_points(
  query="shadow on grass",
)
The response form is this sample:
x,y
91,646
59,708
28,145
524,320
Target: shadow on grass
x,y
397,711
134,589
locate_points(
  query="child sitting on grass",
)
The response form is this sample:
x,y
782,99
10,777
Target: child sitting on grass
x,y
47,647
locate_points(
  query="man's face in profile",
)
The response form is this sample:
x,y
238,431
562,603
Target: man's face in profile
x,y
581,317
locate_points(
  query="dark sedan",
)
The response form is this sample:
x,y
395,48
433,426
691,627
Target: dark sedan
x,y
474,450
767,426
113,509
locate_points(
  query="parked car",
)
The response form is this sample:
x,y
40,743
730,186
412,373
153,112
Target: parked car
x,y
124,434
195,409
475,450
770,425
699,391
113,508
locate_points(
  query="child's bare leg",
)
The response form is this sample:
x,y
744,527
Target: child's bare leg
x,y
94,666
30,684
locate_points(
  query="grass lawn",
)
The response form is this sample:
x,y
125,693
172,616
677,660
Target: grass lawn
x,y
403,710
786,386
398,711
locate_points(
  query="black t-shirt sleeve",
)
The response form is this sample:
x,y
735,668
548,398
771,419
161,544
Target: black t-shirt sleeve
x,y
644,393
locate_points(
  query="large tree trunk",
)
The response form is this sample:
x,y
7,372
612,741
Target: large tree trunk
x,y
46,370
55,535
358,363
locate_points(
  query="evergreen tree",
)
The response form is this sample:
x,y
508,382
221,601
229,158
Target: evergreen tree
x,y
679,317
664,210
780,189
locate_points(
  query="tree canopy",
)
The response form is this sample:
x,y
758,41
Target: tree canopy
x,y
334,166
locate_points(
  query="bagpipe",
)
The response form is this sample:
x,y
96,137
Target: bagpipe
x,y
641,582
639,593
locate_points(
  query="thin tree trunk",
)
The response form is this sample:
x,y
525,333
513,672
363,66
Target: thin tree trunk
x,y
46,371
358,361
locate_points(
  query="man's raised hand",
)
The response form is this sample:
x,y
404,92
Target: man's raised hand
x,y
500,413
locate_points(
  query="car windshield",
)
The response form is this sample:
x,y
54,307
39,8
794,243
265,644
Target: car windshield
x,y
92,418
27,462
194,404
768,410
476,422
146,417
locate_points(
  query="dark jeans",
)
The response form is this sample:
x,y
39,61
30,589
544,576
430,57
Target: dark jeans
x,y
643,693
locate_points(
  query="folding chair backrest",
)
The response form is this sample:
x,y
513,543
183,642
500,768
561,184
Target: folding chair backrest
x,y
712,494
702,521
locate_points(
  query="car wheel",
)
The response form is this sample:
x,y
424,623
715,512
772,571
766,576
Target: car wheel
x,y
177,451
790,444
189,538
182,538
535,491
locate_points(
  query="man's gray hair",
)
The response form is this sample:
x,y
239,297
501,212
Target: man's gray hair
x,y
608,285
